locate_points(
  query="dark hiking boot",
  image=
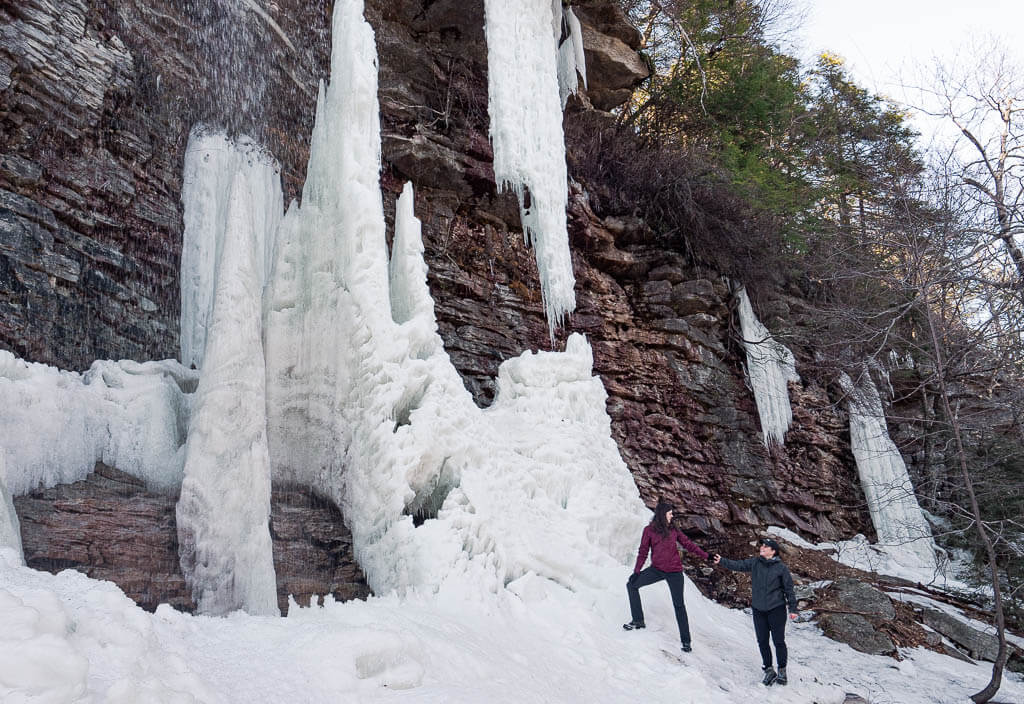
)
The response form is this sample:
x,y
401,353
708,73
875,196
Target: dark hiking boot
x,y
634,625
686,647
769,677
781,679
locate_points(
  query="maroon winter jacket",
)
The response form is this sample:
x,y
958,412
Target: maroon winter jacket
x,y
664,554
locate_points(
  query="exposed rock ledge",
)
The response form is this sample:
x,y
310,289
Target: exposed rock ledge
x,y
110,527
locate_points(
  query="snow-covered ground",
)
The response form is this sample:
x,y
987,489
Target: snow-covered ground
x,y
67,638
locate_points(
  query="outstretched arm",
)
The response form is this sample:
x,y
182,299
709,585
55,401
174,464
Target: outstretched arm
x,y
737,565
690,546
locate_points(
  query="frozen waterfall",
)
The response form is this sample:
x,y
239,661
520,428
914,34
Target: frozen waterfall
x,y
770,367
899,522
320,365
215,168
526,131
365,407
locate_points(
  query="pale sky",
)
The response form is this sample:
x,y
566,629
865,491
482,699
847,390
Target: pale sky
x,y
882,38
891,43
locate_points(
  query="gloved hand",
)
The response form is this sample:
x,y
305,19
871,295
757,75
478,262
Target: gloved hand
x,y
632,579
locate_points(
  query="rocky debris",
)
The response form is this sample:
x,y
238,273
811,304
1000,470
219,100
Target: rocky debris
x,y
977,644
859,597
110,527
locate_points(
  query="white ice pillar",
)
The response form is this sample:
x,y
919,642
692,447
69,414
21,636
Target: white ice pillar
x,y
224,508
770,367
526,131
892,503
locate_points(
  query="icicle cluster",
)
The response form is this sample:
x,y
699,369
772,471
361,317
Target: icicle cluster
x,y
526,131
572,62
895,513
365,406
770,366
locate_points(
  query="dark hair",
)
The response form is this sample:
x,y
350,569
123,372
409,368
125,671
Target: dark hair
x,y
770,543
659,521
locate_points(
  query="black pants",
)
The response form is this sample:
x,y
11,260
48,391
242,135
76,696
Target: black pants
x,y
773,621
675,585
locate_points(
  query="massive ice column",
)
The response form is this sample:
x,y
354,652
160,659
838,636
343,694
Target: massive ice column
x,y
526,131
365,407
317,330
895,513
224,507
770,366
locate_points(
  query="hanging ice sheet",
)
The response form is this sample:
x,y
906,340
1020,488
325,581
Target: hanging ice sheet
x,y
892,503
526,131
572,63
770,366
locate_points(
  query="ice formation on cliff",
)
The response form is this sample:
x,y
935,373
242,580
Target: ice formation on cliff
x,y
572,62
770,366
526,132
233,207
892,503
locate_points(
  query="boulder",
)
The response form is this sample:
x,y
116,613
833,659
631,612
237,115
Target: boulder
x,y
857,632
854,595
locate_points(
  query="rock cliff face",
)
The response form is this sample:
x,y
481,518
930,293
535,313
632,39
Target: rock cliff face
x,y
96,101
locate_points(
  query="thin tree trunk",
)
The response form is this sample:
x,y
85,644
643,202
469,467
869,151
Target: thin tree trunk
x,y
992,687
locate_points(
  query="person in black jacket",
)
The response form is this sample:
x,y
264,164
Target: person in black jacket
x,y
771,589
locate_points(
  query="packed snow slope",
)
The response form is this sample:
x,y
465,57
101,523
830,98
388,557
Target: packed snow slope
x,y
68,639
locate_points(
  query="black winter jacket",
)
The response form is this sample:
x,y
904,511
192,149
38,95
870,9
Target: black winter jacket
x,y
771,584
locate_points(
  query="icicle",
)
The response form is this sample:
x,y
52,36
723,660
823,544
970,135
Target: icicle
x,y
224,508
529,146
576,33
410,296
770,366
569,50
892,503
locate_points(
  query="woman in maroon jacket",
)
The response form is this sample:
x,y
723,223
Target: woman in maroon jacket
x,y
660,539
